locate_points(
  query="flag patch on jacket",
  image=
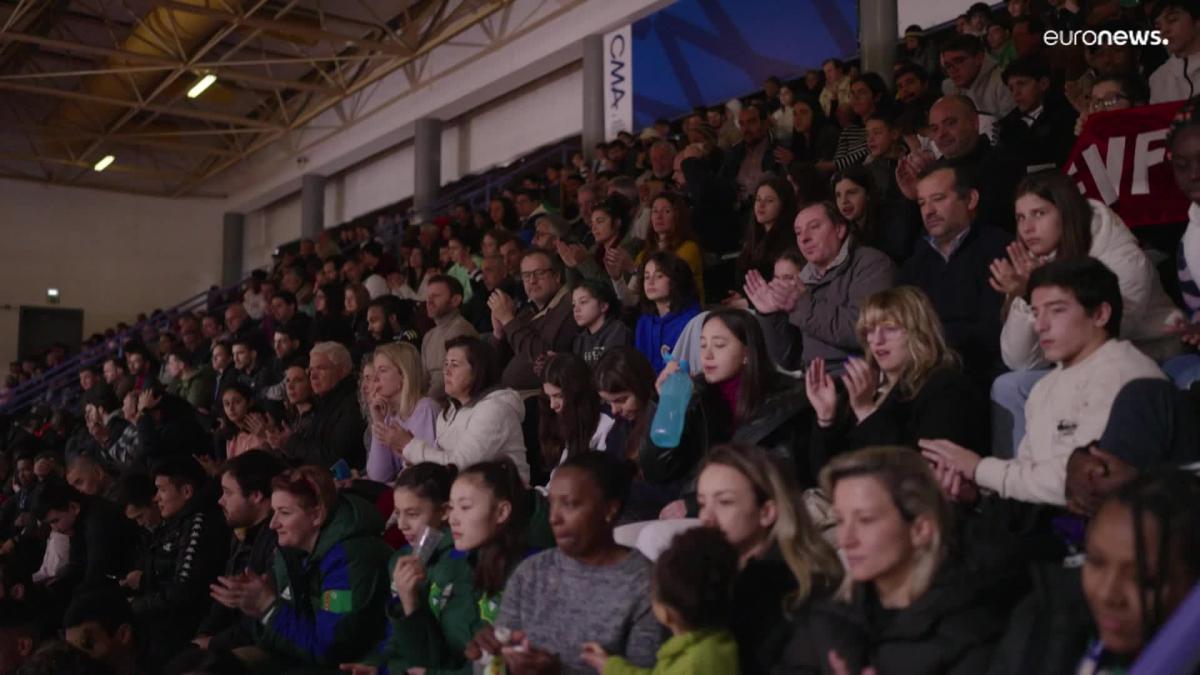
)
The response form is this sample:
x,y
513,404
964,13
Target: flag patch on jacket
x,y
337,602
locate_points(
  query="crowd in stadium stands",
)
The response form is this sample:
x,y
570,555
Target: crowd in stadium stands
x,y
942,416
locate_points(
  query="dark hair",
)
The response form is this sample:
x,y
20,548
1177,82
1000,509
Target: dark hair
x,y
910,68
625,369
694,577
286,296
1191,7
102,396
837,63
569,432
254,470
181,470
242,390
556,263
962,43
54,495
455,286
613,476
335,298
291,330
1089,280
759,377
1074,210
679,273
619,209
1027,66
864,231
1133,86
502,552
879,90
979,8
106,606
428,480
392,306
136,489
485,369
760,246
1171,498
603,292
811,185
509,220
683,225
964,182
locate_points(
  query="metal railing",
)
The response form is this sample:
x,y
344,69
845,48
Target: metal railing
x,y
63,378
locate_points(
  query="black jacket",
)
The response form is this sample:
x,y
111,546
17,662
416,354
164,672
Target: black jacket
x,y
171,428
757,618
952,629
186,555
1048,630
947,406
713,200
780,426
230,628
100,549
336,430
965,302
995,173
1047,141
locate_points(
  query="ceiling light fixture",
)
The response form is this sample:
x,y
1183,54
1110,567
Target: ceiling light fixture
x,y
103,163
204,83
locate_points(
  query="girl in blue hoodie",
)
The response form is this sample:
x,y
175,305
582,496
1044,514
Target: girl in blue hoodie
x,y
669,302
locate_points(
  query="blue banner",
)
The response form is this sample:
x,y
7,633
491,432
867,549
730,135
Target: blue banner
x,y
703,52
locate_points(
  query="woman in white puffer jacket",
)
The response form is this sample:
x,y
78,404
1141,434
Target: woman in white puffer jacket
x,y
1148,311
1055,221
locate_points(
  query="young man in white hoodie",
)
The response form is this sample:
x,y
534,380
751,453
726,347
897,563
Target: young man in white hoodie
x,y
1178,22
1078,307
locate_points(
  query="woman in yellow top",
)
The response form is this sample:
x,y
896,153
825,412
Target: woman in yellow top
x,y
670,230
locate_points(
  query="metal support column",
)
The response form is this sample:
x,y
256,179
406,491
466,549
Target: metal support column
x,y
427,166
312,205
877,37
593,92
233,237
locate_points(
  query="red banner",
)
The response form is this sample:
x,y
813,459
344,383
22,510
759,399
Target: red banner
x,y
1120,159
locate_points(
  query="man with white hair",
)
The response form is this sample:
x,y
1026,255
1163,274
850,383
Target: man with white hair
x,y
336,428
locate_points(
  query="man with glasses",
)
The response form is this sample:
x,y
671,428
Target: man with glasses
x,y
972,73
544,324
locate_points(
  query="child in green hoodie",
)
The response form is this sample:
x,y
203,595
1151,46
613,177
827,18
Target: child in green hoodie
x,y
692,586
439,605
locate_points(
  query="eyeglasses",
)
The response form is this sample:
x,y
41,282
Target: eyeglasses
x,y
532,275
1110,101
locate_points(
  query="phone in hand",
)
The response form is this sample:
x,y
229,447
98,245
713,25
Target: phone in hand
x,y
341,470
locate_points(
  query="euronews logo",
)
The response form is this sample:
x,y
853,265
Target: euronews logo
x,y
1104,38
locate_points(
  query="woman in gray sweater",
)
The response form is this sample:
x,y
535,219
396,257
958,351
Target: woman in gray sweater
x,y
588,589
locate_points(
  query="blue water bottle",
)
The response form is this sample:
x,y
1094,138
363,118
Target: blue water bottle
x,y
667,427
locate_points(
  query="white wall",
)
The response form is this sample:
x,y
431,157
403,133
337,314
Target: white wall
x,y
497,132
927,14
111,255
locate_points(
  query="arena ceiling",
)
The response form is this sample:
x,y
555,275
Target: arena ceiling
x,y
81,80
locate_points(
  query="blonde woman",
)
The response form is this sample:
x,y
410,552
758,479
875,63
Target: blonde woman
x,y
398,408
784,564
906,605
909,385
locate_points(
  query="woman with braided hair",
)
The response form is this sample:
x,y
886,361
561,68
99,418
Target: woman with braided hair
x,y
1143,557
